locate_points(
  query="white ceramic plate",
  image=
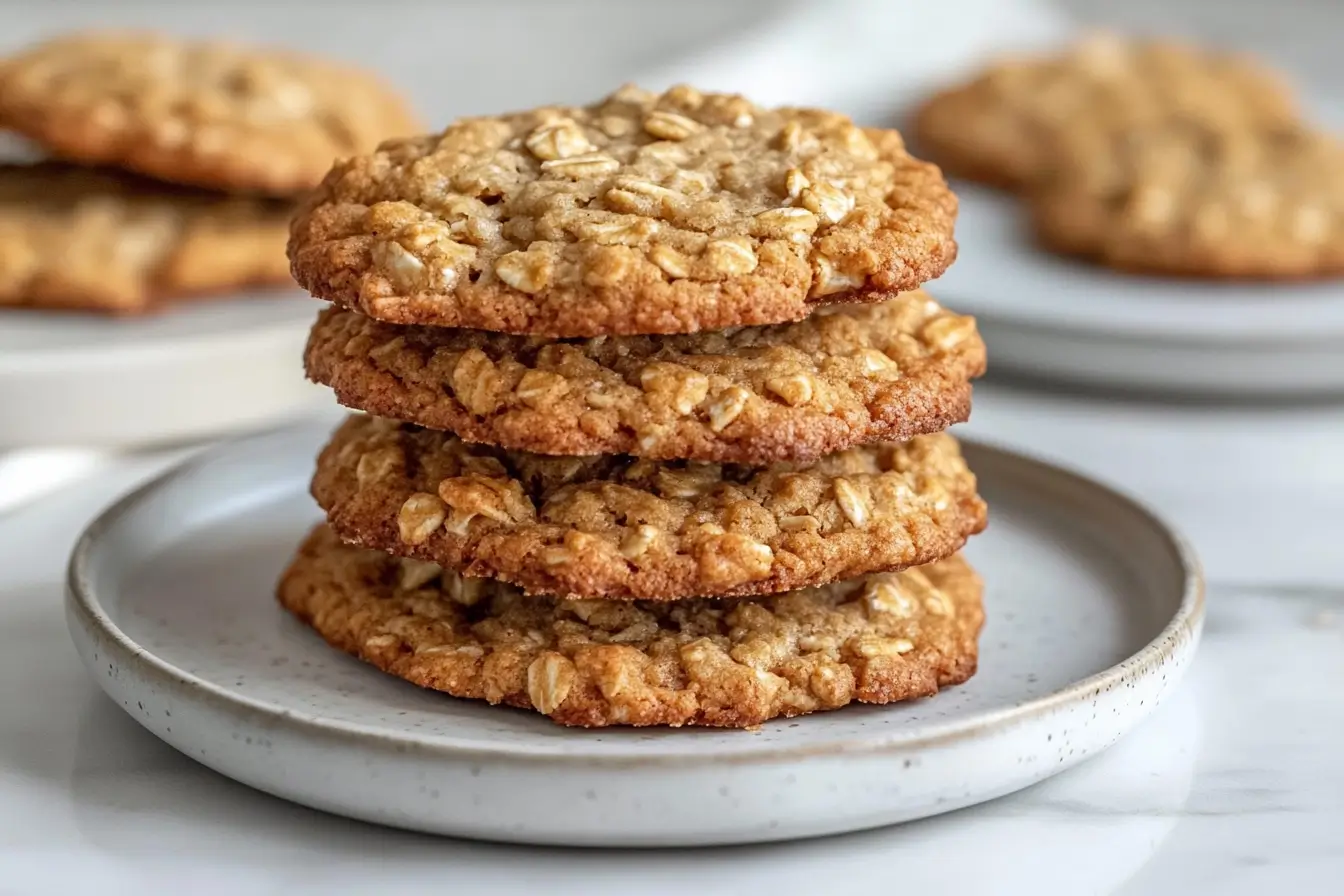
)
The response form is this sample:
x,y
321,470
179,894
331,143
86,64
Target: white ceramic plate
x,y
1094,608
199,370
1063,319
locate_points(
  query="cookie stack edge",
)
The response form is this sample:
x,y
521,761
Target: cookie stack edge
x,y
736,520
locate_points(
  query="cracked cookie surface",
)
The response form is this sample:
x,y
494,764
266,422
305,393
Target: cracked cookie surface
x,y
103,240
1008,125
846,375
641,214
205,113
627,528
734,663
1195,201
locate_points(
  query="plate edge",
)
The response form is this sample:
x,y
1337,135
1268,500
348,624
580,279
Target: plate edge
x,y
1181,631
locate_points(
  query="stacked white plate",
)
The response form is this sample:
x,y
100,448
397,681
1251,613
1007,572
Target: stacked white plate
x,y
191,372
1065,320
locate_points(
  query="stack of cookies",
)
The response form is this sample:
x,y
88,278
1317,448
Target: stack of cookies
x,y
205,147
1151,156
654,411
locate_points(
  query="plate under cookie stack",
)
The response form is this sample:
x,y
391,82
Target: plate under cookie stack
x,y
654,413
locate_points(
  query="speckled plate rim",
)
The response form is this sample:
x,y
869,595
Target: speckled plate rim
x,y
1180,633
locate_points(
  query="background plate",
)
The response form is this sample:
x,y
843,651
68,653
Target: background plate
x,y
1094,611
197,370
1065,319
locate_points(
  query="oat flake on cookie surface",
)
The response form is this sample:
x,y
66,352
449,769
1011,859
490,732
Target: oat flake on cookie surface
x,y
205,113
641,214
736,663
627,528
846,375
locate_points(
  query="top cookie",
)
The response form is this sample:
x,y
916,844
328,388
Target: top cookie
x,y
644,213
1198,201
196,112
1005,126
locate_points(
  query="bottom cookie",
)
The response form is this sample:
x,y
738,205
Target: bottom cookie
x,y
722,662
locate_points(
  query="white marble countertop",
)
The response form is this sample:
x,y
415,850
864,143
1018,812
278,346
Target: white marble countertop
x,y
1233,787
1236,786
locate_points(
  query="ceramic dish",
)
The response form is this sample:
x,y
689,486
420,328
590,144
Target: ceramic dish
x,y
199,370
1064,319
1094,607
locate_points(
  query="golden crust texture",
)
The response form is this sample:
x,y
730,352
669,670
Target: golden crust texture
x,y
203,113
641,214
618,527
845,376
733,663
1008,125
1194,201
99,239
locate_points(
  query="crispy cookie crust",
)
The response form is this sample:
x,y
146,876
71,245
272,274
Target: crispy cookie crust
x,y
641,214
622,528
99,239
1193,201
1008,125
197,112
844,376
732,664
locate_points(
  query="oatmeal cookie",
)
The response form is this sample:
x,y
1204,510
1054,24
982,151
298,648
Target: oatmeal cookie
x,y
625,528
99,239
847,375
202,113
641,214
727,663
1197,201
1005,126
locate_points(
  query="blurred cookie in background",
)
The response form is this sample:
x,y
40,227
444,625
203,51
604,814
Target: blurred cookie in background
x,y
1193,200
202,113
100,239
196,116
1007,126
